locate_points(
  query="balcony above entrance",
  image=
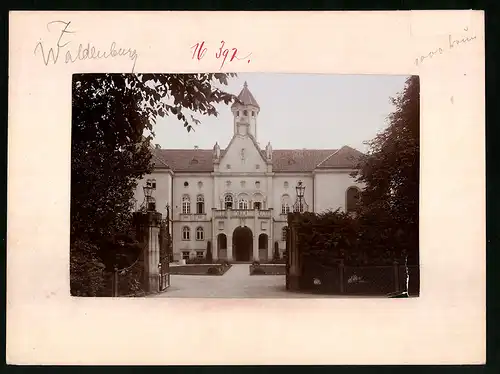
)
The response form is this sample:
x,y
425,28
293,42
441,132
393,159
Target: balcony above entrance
x,y
242,213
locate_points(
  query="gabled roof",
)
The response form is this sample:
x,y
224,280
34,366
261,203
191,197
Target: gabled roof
x,y
345,157
299,160
256,145
246,98
187,159
284,160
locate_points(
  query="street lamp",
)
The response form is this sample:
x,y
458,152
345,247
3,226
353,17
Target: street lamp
x,y
167,208
300,195
148,190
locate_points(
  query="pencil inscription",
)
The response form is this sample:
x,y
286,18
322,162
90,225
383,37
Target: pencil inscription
x,y
453,43
88,51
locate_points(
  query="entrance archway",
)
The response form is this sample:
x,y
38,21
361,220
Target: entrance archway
x,y
263,247
242,243
222,247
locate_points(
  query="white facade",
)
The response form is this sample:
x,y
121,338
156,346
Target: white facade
x,y
238,197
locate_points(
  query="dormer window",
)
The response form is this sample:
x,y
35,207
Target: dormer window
x,y
245,113
253,113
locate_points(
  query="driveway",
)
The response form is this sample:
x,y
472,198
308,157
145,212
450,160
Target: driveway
x,y
235,283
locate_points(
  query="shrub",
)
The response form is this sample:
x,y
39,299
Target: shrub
x,y
223,262
258,271
209,257
214,270
276,253
196,261
87,277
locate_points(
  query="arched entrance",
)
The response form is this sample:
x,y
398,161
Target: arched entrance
x,y
222,247
263,247
242,243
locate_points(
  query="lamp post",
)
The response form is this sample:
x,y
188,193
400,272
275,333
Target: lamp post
x,y
148,190
300,195
167,208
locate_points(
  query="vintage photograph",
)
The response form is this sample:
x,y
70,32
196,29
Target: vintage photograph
x,y
254,185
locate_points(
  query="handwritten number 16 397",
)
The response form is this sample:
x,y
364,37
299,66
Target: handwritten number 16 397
x,y
199,51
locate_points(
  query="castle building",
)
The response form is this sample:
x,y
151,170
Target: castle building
x,y
238,197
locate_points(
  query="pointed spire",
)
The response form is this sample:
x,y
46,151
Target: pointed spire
x,y
246,97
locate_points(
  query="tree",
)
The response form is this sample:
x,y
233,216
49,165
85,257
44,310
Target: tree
x,y
276,253
209,256
390,172
110,152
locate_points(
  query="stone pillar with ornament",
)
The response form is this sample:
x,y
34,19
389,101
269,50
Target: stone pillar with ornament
x,y
147,225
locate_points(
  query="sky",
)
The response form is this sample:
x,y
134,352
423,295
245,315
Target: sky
x,y
315,111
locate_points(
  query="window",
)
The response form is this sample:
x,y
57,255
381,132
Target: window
x,y
186,233
245,112
199,254
186,184
200,204
228,166
285,208
200,184
263,225
257,205
257,184
199,233
185,255
257,166
186,204
243,204
237,113
285,184
352,199
285,204
253,113
228,201
221,225
242,184
284,231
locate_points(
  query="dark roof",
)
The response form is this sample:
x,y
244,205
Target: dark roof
x,y
345,157
299,159
284,160
246,97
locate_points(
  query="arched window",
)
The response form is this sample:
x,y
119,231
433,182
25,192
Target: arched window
x,y
285,204
186,204
200,204
258,201
243,201
200,235
228,201
284,231
186,233
352,199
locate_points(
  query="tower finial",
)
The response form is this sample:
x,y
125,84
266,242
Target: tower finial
x,y
245,84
